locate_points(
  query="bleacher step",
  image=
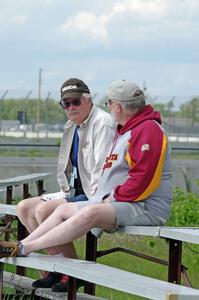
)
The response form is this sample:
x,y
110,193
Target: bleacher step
x,y
24,285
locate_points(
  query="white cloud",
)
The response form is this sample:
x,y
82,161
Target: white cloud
x,y
143,6
88,23
100,41
20,19
142,19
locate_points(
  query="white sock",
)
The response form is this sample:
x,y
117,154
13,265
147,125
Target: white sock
x,y
22,250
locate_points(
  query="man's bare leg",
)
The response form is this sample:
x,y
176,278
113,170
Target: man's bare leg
x,y
38,214
26,212
60,229
45,208
33,211
42,211
67,210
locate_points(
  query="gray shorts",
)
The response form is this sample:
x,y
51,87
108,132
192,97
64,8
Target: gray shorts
x,y
128,214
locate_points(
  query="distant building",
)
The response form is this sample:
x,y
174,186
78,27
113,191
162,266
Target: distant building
x,y
180,126
9,125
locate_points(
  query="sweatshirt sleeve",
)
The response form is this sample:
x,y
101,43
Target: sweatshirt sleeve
x,y
145,157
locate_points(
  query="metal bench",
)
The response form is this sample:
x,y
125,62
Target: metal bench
x,y
8,184
103,275
23,286
175,236
24,180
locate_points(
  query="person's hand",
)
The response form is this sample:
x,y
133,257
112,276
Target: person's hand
x,y
107,200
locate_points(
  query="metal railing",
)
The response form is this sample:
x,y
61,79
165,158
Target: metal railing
x,y
5,145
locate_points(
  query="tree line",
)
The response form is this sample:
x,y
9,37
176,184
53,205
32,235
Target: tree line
x,y
50,111
188,110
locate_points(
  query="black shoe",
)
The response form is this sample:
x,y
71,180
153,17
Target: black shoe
x,y
62,286
48,280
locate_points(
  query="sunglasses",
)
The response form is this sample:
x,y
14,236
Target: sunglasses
x,y
108,103
66,104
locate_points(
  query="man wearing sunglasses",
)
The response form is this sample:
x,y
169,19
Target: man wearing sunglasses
x,y
135,186
85,141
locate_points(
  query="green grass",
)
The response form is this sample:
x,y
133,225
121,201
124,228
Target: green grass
x,y
29,153
193,155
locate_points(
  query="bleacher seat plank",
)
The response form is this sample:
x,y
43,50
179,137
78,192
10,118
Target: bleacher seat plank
x,y
48,294
189,234
24,285
185,234
20,283
141,230
8,209
24,179
106,276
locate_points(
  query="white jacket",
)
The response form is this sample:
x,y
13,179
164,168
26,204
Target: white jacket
x,y
95,137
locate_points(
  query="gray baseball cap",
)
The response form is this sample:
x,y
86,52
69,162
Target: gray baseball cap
x,y
124,91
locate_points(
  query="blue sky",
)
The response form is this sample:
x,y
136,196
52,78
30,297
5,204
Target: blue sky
x,y
151,41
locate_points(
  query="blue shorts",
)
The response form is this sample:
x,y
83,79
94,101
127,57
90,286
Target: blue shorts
x,y
80,197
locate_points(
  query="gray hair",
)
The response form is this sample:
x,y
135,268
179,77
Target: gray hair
x,y
137,103
87,96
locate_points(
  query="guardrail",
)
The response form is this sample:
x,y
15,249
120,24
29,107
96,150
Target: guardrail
x,y
31,145
56,145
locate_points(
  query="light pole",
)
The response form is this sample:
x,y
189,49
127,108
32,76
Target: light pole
x,y
2,97
24,115
46,113
38,102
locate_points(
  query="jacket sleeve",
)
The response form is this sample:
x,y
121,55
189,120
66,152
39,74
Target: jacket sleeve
x,y
104,133
145,158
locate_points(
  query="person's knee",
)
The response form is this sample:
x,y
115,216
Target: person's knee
x,y
90,215
65,211
23,208
42,212
59,209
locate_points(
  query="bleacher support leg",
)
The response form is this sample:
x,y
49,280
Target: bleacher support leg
x,y
1,281
40,187
91,254
21,234
8,201
175,261
72,287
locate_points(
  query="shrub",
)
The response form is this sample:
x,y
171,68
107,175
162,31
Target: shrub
x,y
185,209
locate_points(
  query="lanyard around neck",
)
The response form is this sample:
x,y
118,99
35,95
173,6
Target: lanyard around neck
x,y
75,148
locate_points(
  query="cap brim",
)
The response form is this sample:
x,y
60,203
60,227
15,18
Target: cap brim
x,y
75,95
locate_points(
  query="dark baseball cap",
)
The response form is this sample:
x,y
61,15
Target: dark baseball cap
x,y
73,88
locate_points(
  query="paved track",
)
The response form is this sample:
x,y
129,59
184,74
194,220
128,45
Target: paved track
x,y
27,161
15,166
49,161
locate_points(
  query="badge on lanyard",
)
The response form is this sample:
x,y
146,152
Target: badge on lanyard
x,y
73,176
